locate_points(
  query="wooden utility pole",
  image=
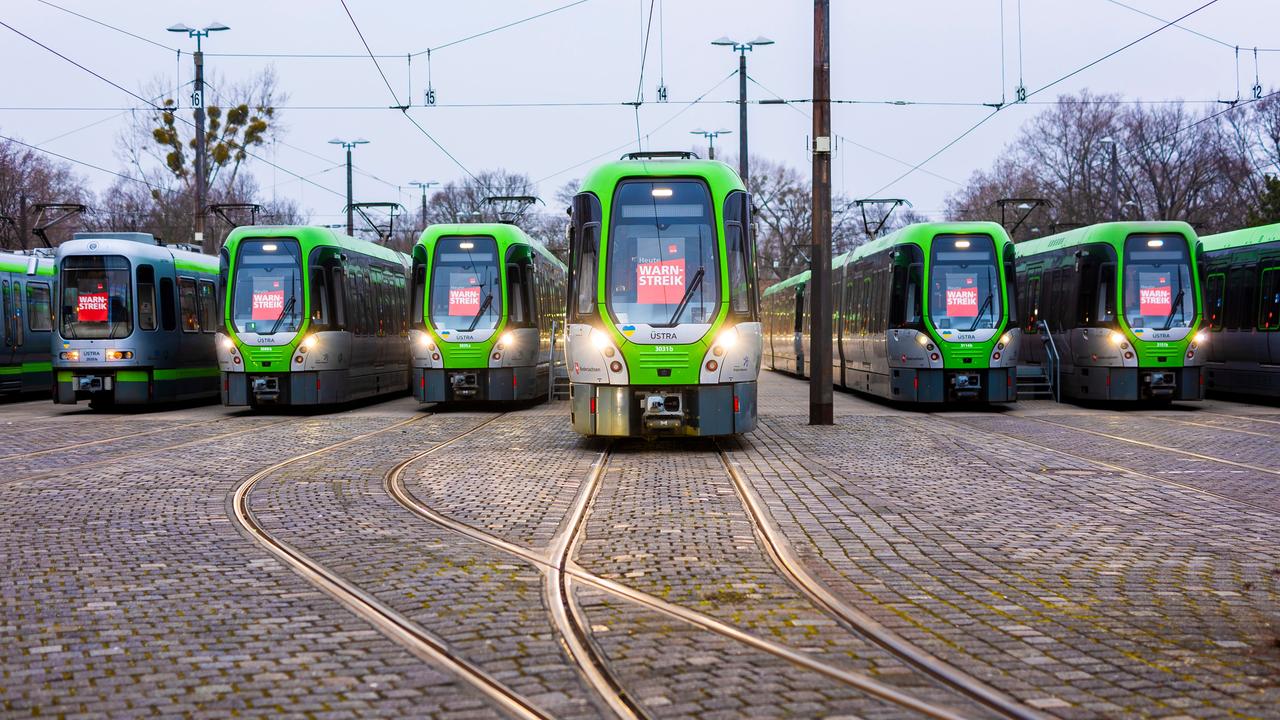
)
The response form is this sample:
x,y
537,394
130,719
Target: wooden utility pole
x,y
820,380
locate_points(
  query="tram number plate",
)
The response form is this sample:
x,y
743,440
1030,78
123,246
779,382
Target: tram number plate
x,y
91,355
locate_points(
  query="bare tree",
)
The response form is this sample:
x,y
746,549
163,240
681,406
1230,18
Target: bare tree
x,y
28,178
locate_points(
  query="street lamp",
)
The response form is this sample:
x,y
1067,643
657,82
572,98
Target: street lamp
x,y
197,104
424,186
742,49
1115,173
711,136
348,145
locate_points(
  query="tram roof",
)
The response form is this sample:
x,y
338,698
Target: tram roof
x,y
1112,233
505,233
922,234
313,236
718,175
1242,238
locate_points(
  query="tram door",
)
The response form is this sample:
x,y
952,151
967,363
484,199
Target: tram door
x,y
7,352
1269,309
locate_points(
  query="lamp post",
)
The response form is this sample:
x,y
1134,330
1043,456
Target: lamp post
x,y
1115,174
711,136
742,49
348,145
424,186
197,104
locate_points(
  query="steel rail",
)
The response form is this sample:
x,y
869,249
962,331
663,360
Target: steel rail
x,y
385,619
1113,466
101,441
577,573
1156,446
784,557
140,453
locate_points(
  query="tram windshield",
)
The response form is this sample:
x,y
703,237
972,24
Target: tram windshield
x,y
662,254
1157,282
964,281
267,287
466,285
96,297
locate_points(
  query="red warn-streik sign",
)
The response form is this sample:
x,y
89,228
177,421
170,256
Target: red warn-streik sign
x,y
661,282
1157,300
267,304
92,307
962,302
464,301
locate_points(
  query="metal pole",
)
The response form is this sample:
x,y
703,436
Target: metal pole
x,y
1115,181
742,115
820,375
351,220
201,175
424,205
711,146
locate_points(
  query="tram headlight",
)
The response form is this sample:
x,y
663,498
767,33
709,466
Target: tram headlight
x,y
922,339
69,355
309,343
600,340
228,344
507,339
1200,338
725,341
119,354
1116,337
1005,338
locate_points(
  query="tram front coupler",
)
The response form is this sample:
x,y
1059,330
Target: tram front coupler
x,y
966,385
465,385
661,411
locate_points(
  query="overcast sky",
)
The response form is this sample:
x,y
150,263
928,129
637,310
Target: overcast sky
x,y
942,51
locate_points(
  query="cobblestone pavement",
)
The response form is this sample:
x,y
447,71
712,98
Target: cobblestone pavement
x,y
1087,576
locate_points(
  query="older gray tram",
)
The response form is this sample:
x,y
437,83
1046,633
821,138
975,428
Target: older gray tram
x,y
135,321
26,286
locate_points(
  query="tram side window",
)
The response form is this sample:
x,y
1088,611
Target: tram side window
x,y
1213,300
1269,309
1107,293
224,265
146,297
419,300
8,313
188,305
338,277
1241,298
208,311
320,299
585,281
1033,303
39,308
168,318
799,325
1011,286
742,290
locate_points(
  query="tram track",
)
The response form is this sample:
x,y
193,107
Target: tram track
x,y
385,619
1111,466
559,566
784,557
101,441
140,453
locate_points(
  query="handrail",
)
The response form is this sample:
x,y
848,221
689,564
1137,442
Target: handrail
x,y
551,365
1054,373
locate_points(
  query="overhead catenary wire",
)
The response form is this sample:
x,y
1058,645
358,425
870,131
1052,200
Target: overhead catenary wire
x,y
405,108
70,159
1040,89
155,107
1197,33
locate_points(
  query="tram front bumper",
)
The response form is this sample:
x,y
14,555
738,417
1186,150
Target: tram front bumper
x,y
123,387
686,411
434,385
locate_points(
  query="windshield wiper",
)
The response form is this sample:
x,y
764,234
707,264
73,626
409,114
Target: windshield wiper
x,y
985,304
288,308
488,300
694,284
1177,305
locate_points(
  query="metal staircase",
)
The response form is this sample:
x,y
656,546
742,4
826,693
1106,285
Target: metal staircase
x,y
559,387
1042,381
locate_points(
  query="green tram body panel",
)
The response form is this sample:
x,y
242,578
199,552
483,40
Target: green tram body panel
x,y
1104,356
669,359
362,347
1240,282
522,371
25,364
886,338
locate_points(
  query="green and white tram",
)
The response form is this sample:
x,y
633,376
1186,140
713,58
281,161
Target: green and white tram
x,y
663,334
311,317
924,314
1240,272
1121,304
26,281
487,303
